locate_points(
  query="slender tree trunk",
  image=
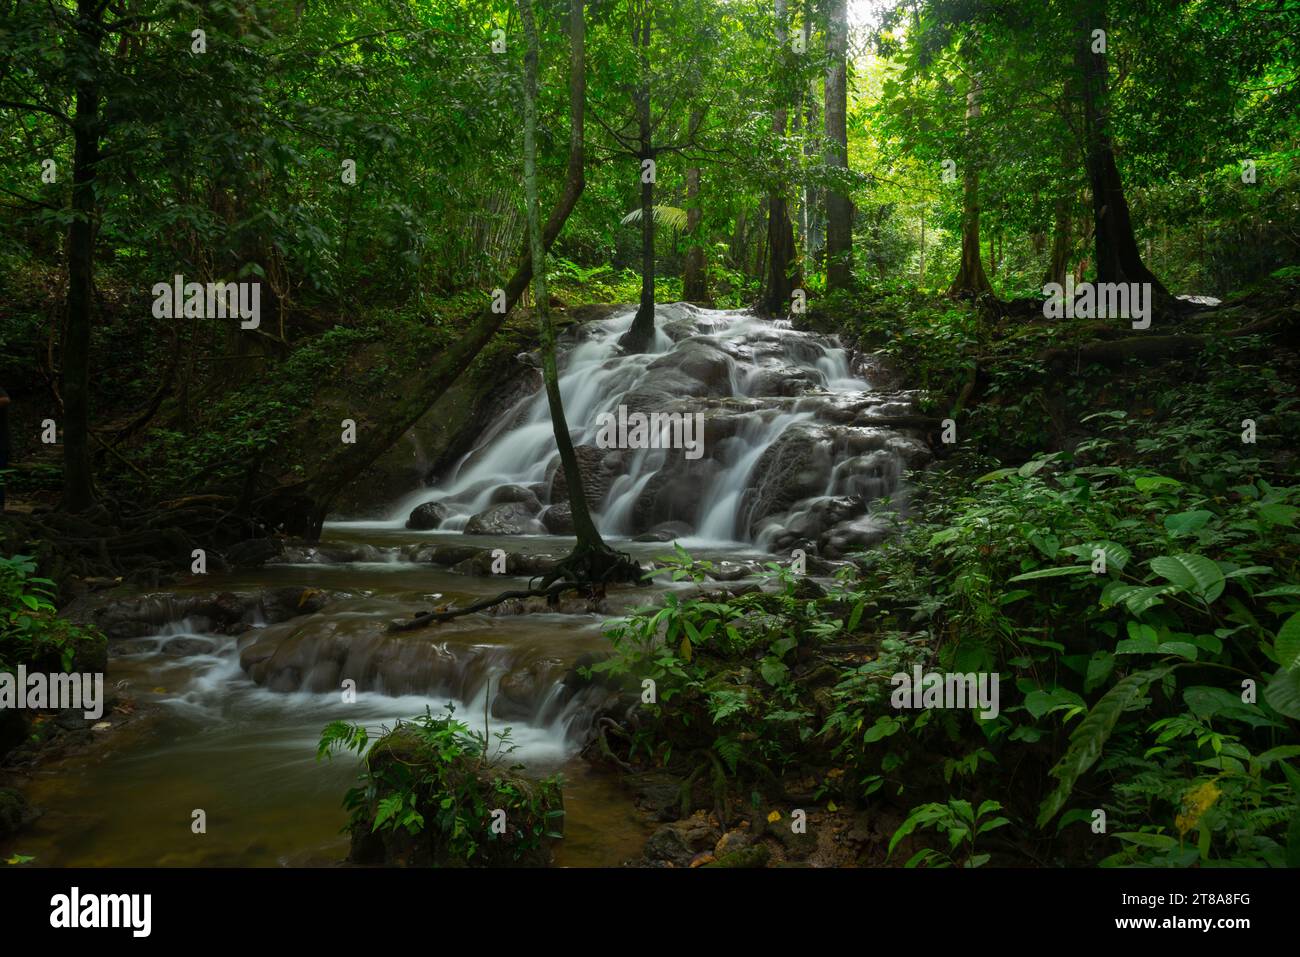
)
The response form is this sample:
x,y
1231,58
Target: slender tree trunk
x,y
694,284
780,231
1116,249
1059,258
971,280
583,526
78,480
810,209
920,272
642,332
301,507
839,209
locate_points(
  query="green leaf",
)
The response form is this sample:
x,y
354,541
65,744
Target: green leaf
x,y
1161,842
1287,643
1057,571
1283,693
1147,483
1089,736
1275,513
1194,573
1184,523
1280,591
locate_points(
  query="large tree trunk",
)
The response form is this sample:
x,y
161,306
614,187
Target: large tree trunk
x,y
839,209
301,507
78,481
585,529
642,332
971,281
1117,255
780,231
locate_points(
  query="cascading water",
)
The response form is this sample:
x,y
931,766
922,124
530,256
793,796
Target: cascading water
x,y
792,450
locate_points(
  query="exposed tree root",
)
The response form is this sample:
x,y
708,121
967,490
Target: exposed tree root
x,y
586,569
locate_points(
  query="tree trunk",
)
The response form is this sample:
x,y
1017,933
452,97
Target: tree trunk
x,y
301,507
694,283
642,332
839,209
1060,255
584,527
971,281
694,286
1116,249
780,231
78,480
920,272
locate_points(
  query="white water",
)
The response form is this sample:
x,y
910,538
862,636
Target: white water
x,y
776,378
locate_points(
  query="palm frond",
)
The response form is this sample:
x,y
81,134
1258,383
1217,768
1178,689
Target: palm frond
x,y
673,217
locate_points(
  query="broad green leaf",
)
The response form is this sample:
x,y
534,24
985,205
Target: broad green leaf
x,y
1287,643
1147,483
1057,571
1184,523
1283,693
1194,573
1089,736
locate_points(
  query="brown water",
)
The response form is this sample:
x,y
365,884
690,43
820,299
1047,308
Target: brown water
x,y
245,755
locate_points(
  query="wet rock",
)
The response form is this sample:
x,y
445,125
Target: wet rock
x,y
794,467
699,359
15,812
254,552
854,536
449,554
665,532
511,518
428,516
185,645
595,465
558,519
223,613
531,566
678,843
505,494
522,692
732,571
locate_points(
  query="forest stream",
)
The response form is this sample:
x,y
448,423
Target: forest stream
x,y
791,453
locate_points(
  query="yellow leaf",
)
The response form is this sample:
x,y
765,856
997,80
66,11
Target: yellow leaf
x,y
832,806
1195,803
774,817
686,649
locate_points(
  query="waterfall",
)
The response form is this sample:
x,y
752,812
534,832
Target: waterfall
x,y
789,452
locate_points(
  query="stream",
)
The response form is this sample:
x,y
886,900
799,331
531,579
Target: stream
x,y
792,457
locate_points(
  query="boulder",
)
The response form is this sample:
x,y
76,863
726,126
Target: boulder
x,y
428,516
558,519
504,494
511,518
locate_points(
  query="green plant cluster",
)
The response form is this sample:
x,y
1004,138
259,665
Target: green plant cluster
x,y
436,777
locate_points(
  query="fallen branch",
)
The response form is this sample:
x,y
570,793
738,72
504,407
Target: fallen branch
x,y
436,616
